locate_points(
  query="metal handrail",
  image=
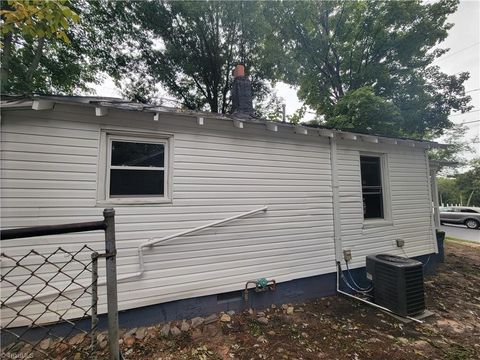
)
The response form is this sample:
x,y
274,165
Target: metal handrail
x,y
152,242
215,223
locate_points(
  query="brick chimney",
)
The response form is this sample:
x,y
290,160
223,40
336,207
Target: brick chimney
x,y
241,93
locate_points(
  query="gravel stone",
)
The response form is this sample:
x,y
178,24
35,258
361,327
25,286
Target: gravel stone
x,y
184,327
175,331
197,321
130,332
45,344
225,318
129,341
210,319
165,330
77,339
263,320
140,333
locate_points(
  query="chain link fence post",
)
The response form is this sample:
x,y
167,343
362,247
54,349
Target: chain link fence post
x,y
111,272
93,329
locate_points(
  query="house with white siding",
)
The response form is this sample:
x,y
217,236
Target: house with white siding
x,y
299,197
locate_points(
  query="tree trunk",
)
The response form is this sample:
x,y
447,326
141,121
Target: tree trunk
x,y
5,67
470,198
36,60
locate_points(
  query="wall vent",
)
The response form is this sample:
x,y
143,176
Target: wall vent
x,y
233,296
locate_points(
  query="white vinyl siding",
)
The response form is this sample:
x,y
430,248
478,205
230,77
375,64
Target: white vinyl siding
x,y
50,164
407,196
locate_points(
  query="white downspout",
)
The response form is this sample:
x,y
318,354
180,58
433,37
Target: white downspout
x,y
337,225
436,203
434,210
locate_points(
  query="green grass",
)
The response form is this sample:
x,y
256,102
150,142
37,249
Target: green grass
x,y
255,327
452,239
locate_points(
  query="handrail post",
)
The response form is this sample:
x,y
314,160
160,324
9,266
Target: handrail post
x,y
111,272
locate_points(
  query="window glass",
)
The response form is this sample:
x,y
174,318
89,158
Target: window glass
x,y
468,211
137,169
371,175
136,183
372,192
137,154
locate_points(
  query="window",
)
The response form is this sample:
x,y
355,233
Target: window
x,y
136,169
372,188
468,211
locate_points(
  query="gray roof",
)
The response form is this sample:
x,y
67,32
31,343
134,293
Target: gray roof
x,y
12,102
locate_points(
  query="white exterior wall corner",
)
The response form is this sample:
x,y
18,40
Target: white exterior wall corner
x,y
408,201
50,164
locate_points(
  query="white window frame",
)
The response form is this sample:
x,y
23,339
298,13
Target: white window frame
x,y
387,209
103,190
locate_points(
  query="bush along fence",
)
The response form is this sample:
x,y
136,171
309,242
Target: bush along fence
x,y
49,302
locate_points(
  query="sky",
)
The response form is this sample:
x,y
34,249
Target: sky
x,y
464,43
464,55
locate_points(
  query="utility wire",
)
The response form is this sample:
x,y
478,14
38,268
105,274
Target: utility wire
x,y
470,122
456,52
469,91
467,112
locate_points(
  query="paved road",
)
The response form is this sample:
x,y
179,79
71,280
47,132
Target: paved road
x,y
461,232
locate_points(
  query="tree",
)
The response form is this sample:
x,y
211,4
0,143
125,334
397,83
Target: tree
x,y
469,183
462,188
448,191
37,49
353,57
455,137
361,109
192,49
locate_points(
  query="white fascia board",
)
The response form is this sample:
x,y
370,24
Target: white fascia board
x,y
271,126
101,111
238,124
42,104
326,133
423,145
388,141
409,143
370,139
301,130
348,136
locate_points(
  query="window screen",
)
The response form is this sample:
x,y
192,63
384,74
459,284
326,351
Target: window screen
x,y
137,169
372,192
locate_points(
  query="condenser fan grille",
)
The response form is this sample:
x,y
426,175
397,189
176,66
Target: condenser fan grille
x,y
398,283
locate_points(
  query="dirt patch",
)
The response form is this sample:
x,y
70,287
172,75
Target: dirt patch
x,y
332,328
338,328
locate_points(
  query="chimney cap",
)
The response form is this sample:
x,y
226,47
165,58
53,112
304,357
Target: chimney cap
x,y
239,70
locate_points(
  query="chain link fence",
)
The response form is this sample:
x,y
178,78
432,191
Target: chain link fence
x,y
49,301
25,309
